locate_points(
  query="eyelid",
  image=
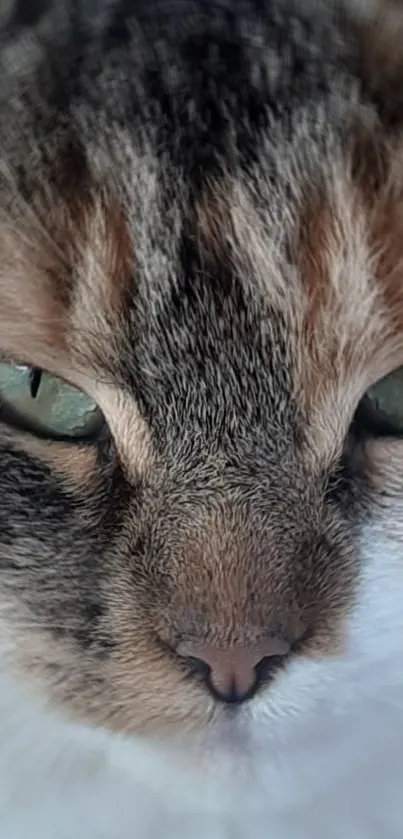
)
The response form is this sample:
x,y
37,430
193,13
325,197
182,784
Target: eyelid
x,y
373,418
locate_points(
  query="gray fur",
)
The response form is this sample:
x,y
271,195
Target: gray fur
x,y
232,532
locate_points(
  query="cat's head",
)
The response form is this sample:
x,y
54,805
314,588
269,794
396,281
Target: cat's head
x,y
175,551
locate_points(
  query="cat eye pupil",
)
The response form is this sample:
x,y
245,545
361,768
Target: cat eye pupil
x,y
35,401
35,377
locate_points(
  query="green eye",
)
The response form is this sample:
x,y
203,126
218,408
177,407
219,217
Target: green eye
x,y
381,410
46,406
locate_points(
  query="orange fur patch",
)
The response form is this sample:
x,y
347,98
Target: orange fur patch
x,y
341,320
32,310
103,276
104,241
386,243
317,235
65,270
75,464
346,255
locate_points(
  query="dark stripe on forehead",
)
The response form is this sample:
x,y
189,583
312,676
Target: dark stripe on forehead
x,y
208,349
216,81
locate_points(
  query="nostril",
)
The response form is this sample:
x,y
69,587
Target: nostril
x,y
233,674
197,667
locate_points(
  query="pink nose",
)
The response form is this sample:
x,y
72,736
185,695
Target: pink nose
x,y
234,674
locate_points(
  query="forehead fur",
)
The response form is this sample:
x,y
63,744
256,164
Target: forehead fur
x,y
319,273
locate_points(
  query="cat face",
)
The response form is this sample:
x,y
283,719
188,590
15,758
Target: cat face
x,y
228,325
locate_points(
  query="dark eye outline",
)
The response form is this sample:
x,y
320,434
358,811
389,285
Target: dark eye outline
x,y
374,422
9,416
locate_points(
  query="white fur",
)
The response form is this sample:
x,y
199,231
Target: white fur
x,y
320,755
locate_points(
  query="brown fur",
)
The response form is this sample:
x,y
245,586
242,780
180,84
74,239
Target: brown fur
x,y
75,465
378,29
226,286
32,317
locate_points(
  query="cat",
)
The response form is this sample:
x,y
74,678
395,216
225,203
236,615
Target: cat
x,y
201,589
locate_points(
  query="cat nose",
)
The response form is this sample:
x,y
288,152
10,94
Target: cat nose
x,y
234,674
